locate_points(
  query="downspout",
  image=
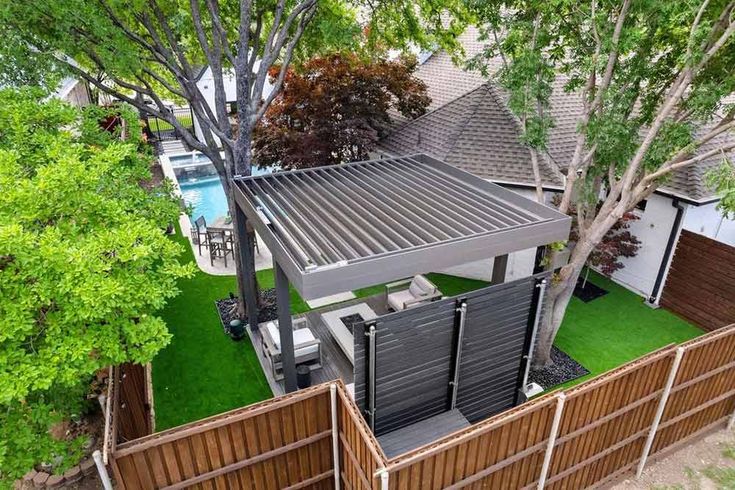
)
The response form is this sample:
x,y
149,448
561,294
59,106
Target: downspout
x,y
653,298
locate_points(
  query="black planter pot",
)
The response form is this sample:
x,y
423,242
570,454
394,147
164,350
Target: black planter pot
x,y
236,330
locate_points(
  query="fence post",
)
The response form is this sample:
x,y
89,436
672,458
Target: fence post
x,y
335,435
731,422
384,477
660,411
102,470
561,398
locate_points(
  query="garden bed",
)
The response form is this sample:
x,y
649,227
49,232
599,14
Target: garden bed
x,y
563,369
227,308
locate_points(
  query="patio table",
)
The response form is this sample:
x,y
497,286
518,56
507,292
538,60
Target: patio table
x,y
221,224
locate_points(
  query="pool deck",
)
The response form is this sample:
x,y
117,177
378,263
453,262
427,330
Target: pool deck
x,y
263,258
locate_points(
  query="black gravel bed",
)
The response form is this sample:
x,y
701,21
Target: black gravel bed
x,y
267,311
589,291
563,369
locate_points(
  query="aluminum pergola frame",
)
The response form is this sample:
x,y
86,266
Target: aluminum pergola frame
x,y
343,227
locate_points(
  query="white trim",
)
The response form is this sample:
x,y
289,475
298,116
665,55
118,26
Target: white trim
x,y
102,470
660,411
560,399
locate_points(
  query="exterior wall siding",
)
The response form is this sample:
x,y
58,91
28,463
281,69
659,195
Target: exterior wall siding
x,y
652,229
708,221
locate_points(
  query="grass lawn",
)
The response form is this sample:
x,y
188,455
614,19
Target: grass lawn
x,y
617,328
202,372
157,124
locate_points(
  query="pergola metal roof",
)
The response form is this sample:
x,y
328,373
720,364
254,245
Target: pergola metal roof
x,y
343,227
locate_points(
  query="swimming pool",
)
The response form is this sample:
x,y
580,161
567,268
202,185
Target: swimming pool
x,y
200,185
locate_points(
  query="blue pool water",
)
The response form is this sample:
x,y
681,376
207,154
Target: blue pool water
x,y
205,194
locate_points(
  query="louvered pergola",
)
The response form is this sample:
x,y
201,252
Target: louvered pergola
x,y
340,228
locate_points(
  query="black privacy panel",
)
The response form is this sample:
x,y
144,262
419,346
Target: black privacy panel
x,y
413,365
495,337
415,354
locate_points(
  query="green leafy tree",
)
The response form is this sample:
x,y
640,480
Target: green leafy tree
x,y
152,51
651,77
84,266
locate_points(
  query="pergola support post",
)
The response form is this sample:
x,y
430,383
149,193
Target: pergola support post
x,y
247,263
500,266
285,328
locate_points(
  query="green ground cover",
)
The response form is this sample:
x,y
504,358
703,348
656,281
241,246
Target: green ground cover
x,y
617,328
202,372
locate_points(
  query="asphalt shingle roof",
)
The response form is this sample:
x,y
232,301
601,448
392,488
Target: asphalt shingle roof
x,y
470,125
475,133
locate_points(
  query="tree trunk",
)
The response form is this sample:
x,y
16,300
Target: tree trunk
x,y
242,167
560,294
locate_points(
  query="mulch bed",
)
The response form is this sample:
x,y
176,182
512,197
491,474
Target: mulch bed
x,y
589,291
227,308
563,369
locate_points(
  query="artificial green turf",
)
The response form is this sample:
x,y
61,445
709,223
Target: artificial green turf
x,y
202,372
617,328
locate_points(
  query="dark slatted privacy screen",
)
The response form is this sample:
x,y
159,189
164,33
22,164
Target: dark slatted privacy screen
x,y
415,356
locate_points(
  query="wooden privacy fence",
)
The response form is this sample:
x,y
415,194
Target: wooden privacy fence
x,y
592,433
700,285
585,436
288,442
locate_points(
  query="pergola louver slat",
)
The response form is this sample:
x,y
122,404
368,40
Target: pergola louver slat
x,y
349,226
401,218
500,210
347,220
414,208
344,250
317,240
356,202
457,212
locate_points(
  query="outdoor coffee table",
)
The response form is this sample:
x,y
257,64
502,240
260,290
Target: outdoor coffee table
x,y
341,323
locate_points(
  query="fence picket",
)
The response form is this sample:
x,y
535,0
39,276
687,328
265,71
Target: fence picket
x,y
585,436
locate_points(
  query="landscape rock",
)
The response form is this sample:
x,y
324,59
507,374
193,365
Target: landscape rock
x,y
563,369
40,479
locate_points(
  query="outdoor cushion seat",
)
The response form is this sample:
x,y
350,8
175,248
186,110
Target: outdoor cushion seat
x,y
301,337
307,348
411,292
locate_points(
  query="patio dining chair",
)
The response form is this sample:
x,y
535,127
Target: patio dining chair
x,y
200,232
220,245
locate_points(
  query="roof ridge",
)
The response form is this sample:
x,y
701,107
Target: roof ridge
x,y
519,127
431,112
461,127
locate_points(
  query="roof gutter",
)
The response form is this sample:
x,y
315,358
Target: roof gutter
x,y
662,269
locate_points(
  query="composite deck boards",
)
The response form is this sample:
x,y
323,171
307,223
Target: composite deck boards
x,y
335,364
424,432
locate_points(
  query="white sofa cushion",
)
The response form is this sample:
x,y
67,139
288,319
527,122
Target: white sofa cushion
x,y
396,300
300,336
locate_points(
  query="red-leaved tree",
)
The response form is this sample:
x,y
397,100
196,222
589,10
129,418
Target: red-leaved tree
x,y
334,109
616,243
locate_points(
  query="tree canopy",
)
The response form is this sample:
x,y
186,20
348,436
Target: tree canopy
x,y
84,264
651,79
334,109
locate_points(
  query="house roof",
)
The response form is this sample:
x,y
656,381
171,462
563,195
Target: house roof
x,y
475,133
343,227
485,141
